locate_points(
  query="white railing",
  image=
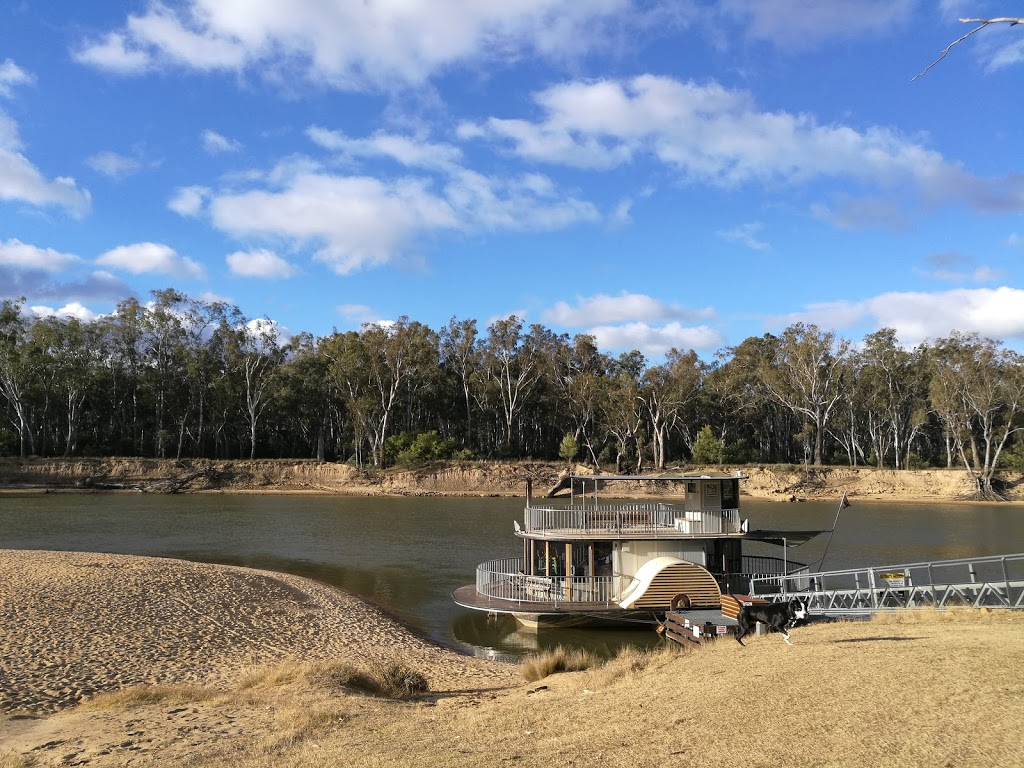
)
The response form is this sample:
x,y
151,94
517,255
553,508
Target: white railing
x,y
505,579
625,520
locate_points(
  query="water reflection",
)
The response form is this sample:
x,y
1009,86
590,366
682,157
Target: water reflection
x,y
407,555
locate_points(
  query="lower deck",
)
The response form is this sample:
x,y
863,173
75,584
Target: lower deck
x,y
469,597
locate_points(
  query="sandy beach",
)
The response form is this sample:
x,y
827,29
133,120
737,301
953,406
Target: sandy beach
x,y
77,624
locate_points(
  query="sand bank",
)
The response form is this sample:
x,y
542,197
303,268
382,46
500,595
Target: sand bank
x,y
76,624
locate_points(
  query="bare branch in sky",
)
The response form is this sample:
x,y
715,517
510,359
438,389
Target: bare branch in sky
x,y
982,23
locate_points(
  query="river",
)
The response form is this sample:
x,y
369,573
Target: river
x,y
407,555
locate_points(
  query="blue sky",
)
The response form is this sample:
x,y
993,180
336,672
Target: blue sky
x,y
680,173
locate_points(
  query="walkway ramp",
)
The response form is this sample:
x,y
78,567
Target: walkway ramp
x,y
980,582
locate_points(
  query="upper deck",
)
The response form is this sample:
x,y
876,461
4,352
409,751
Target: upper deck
x,y
709,508
629,520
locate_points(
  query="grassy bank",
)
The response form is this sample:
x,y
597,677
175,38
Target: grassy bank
x,y
922,689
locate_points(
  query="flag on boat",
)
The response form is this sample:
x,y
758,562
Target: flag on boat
x,y
845,502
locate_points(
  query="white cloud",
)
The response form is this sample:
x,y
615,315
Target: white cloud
x,y
215,298
15,253
408,151
216,144
655,341
74,309
11,75
955,267
525,203
113,165
355,222
356,45
746,234
710,134
259,263
113,54
140,258
616,309
358,314
189,201
918,316
803,24
20,180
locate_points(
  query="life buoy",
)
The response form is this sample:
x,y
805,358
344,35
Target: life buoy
x,y
682,600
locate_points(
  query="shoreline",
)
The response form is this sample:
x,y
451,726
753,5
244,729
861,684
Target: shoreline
x,y
39,490
470,479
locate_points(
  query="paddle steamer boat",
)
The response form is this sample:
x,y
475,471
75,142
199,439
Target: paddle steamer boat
x,y
591,559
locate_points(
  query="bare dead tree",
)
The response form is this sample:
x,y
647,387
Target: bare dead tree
x,y
982,23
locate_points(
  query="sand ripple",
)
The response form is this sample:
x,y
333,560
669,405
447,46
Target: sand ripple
x,y
75,624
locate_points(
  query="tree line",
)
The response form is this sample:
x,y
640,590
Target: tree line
x,y
182,377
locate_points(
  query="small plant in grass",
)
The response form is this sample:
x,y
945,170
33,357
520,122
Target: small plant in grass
x,y
395,679
558,659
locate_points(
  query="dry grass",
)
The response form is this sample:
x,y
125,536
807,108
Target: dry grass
x,y
141,695
913,690
558,659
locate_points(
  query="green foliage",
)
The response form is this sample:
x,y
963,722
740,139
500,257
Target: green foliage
x,y
708,449
8,443
738,452
1013,457
408,450
914,461
568,448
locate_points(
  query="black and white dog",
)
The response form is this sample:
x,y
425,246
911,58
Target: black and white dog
x,y
778,617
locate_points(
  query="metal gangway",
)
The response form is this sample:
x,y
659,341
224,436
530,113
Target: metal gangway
x,y
993,582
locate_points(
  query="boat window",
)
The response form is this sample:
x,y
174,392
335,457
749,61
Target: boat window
x,y
603,558
729,488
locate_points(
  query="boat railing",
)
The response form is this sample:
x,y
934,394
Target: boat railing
x,y
996,581
629,519
756,567
506,579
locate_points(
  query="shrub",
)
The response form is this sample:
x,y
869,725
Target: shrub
x,y
395,679
407,450
1013,457
558,659
707,449
568,448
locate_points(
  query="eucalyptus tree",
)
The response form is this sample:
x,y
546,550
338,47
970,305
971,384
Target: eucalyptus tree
x,y
395,353
125,334
977,389
304,391
460,353
748,413
164,349
513,366
73,350
347,363
894,382
578,371
806,375
16,374
665,390
622,409
259,356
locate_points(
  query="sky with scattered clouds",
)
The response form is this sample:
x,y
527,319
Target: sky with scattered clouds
x,y
658,173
